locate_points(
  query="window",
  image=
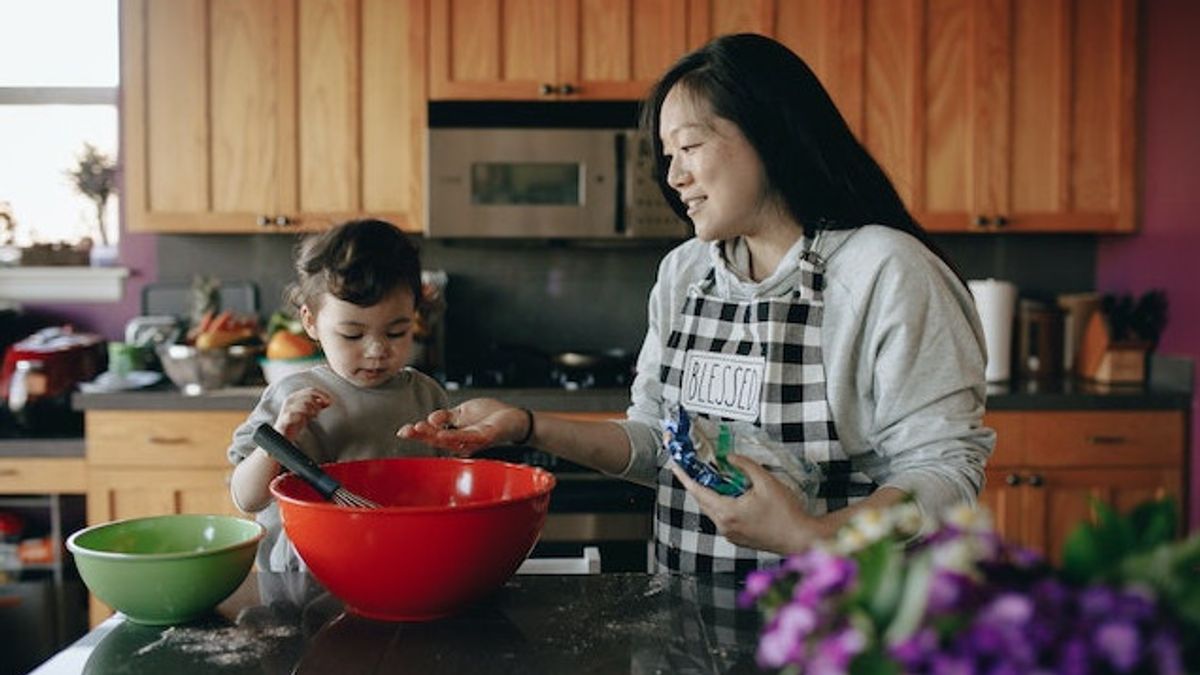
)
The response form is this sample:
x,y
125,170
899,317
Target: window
x,y
59,71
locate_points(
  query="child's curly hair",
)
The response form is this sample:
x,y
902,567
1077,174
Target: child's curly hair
x,y
360,262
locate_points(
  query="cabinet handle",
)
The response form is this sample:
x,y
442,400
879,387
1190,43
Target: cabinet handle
x,y
982,221
282,220
263,221
1001,221
1106,440
546,89
567,89
1012,479
167,440
1035,480
9,472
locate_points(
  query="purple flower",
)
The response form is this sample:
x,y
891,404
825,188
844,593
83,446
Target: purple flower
x,y
833,655
949,664
1097,602
1119,643
1167,658
1010,608
916,650
758,582
948,591
1074,658
826,574
783,641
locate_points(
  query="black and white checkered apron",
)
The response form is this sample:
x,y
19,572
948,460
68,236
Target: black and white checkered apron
x,y
779,338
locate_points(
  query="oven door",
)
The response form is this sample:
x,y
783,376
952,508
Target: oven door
x,y
537,183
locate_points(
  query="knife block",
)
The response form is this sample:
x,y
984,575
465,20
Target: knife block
x,y
1103,360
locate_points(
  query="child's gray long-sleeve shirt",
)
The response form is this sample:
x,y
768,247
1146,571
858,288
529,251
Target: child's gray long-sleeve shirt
x,y
903,352
361,423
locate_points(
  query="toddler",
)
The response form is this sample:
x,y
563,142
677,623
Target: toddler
x,y
357,291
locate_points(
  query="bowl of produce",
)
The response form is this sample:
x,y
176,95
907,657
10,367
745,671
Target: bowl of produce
x,y
289,349
196,370
447,532
165,570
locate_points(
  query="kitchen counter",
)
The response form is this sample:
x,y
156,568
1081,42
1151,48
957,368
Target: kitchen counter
x,y
1061,395
41,447
244,398
285,623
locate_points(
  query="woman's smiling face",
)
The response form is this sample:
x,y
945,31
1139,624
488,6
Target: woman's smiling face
x,y
365,345
715,170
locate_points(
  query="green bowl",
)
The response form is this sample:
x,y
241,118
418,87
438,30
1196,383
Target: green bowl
x,y
165,569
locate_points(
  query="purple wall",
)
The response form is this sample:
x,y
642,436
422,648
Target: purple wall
x,y
1163,254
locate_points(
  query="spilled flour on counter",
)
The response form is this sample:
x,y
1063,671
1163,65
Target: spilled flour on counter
x,y
220,646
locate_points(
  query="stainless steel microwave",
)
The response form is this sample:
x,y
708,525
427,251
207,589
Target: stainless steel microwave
x,y
545,183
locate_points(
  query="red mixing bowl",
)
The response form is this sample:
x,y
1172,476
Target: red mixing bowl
x,y
448,532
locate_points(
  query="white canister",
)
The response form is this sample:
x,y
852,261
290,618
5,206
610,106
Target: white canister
x,y
996,302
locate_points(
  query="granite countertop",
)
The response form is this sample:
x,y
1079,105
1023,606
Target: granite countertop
x,y
286,623
1057,395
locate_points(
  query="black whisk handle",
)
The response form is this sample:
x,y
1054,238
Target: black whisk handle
x,y
294,460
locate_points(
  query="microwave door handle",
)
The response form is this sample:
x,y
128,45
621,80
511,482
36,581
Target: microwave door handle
x,y
619,150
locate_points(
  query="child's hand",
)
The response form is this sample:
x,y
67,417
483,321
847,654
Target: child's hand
x,y
299,409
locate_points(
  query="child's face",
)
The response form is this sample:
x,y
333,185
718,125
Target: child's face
x,y
365,345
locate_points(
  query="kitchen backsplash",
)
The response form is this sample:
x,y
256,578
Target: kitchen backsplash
x,y
576,296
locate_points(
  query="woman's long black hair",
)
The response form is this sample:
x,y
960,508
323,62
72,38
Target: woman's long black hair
x,y
825,177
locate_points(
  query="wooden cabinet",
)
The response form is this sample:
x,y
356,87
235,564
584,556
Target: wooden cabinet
x,y
271,115
149,463
144,462
1049,466
989,115
552,49
1004,115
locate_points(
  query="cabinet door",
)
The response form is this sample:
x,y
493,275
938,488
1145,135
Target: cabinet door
x,y
617,49
982,111
492,49
1071,125
271,115
1002,497
204,113
1056,501
116,494
711,18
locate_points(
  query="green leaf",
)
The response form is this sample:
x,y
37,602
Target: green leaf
x,y
1082,559
874,662
913,601
881,579
1154,523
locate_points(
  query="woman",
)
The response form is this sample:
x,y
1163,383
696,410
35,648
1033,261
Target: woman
x,y
809,290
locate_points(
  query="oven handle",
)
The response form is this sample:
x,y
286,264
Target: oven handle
x,y
619,149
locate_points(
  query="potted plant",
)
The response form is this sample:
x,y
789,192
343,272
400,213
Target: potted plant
x,y
95,177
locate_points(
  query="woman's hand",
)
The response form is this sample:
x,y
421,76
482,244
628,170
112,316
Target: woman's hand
x,y
470,427
298,409
768,516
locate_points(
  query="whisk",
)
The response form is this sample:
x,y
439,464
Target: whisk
x,y
291,457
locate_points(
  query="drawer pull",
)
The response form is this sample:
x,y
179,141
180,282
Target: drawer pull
x,y
1012,479
1106,440
9,472
167,440
1035,480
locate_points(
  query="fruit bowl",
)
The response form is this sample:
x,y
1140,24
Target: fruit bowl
x,y
196,370
165,569
448,532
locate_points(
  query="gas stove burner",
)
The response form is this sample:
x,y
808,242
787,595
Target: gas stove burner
x,y
511,366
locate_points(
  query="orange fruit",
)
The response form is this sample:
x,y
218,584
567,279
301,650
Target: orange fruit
x,y
287,345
